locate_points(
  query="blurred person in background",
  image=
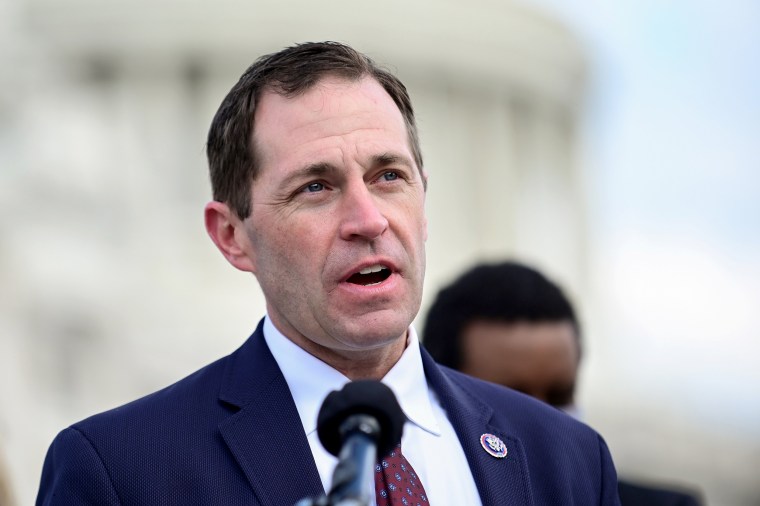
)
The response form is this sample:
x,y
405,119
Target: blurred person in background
x,y
508,324
319,192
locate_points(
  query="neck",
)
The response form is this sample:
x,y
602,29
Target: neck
x,y
359,364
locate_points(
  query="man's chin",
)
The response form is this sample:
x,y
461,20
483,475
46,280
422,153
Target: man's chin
x,y
373,335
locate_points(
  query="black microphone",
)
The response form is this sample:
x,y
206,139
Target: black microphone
x,y
356,424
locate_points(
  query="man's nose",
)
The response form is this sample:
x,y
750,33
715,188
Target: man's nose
x,y
361,215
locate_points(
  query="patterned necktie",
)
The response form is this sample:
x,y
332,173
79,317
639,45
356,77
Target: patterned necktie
x,y
396,483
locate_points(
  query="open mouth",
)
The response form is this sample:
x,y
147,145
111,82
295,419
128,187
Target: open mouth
x,y
369,276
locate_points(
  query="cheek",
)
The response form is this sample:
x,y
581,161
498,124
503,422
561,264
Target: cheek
x,y
413,219
271,245
295,245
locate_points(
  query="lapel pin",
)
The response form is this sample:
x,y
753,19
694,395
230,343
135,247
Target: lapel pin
x,y
493,445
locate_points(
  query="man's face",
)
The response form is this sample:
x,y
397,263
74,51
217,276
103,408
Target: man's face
x,y
337,228
539,359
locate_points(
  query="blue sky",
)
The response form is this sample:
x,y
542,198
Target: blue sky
x,y
674,113
672,151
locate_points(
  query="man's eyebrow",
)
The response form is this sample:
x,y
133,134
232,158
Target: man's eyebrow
x,y
309,171
391,159
321,169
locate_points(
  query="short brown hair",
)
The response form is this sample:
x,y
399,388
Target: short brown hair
x,y
290,72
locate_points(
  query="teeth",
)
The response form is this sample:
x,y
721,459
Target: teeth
x,y
371,269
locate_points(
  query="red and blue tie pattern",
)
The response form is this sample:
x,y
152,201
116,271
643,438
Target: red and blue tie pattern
x,y
396,483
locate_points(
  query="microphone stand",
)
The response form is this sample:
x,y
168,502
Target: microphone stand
x,y
353,476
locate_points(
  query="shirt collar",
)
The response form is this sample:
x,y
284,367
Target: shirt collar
x,y
406,379
408,382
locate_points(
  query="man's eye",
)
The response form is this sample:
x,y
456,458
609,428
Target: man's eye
x,y
390,176
313,187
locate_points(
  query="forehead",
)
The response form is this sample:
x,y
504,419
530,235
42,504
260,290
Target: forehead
x,y
334,113
523,345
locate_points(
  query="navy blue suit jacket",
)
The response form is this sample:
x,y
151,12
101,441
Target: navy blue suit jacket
x,y
230,434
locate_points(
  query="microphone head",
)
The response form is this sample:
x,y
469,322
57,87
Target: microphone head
x,y
362,397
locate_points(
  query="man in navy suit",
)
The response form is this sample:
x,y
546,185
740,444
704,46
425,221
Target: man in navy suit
x,y
319,190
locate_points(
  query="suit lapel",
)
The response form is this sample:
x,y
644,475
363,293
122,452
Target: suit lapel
x,y
499,480
266,436
267,440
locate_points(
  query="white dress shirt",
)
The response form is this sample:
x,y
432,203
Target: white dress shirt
x,y
429,442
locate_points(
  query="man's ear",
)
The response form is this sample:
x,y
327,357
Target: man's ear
x,y
229,234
